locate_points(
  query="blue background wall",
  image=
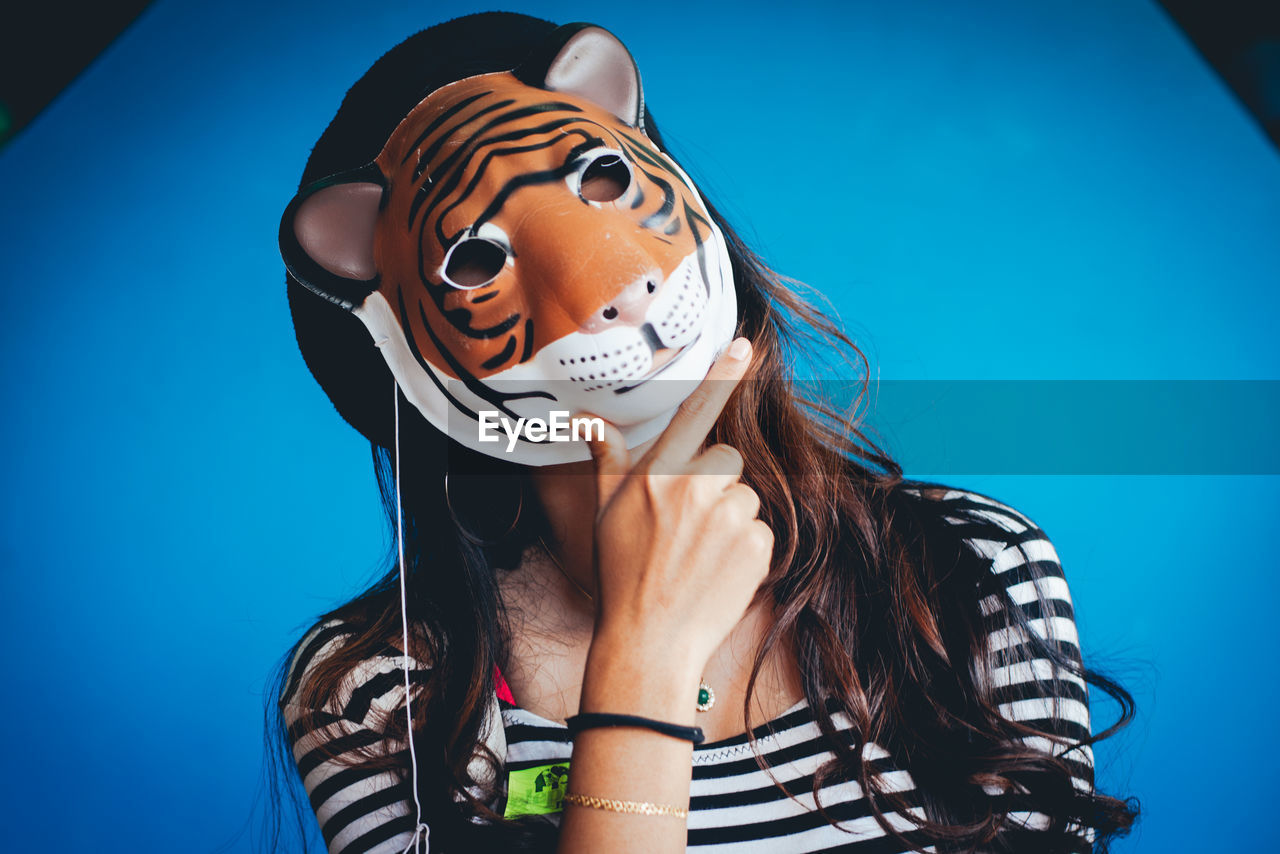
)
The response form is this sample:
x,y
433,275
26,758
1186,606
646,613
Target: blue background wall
x,y
985,190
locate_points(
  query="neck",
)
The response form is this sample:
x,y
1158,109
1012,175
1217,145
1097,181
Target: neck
x,y
567,494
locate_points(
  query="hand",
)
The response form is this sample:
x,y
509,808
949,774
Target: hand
x,y
679,550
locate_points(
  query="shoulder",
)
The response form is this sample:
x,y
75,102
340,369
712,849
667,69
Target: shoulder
x,y
989,527
1023,568
335,668
336,706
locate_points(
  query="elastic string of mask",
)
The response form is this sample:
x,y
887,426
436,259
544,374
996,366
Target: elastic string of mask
x,y
420,830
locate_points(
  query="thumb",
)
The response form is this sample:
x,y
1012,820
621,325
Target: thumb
x,y
612,462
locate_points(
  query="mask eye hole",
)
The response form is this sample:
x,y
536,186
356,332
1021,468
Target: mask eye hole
x,y
605,179
473,263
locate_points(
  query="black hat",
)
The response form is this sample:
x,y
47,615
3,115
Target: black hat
x,y
335,344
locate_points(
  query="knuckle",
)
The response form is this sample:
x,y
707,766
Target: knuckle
x,y
722,515
746,496
760,536
695,404
728,453
703,489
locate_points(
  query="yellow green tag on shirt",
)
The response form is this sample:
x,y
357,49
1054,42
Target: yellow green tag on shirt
x,y
537,791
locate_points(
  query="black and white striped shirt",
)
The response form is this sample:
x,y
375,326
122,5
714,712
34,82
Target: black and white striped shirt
x,y
735,806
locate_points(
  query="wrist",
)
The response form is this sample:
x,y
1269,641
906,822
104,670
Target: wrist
x,y
609,720
630,678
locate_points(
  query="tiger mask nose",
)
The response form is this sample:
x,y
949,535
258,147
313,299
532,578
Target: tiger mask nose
x,y
628,308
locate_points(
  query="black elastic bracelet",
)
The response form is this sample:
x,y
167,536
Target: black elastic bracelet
x,y
593,720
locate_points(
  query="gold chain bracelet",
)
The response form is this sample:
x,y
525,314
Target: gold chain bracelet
x,y
629,807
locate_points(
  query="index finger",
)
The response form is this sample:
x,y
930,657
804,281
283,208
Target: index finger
x,y
697,415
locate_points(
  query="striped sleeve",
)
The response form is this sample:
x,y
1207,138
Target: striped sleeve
x,y
359,809
1029,687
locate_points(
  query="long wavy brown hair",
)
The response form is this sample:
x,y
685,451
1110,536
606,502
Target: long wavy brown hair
x,y
879,596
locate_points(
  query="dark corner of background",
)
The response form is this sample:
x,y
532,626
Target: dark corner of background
x,y
1241,40
44,46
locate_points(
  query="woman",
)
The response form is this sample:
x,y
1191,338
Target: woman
x,y
870,664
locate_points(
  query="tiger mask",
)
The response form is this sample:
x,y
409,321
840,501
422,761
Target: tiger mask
x,y
520,248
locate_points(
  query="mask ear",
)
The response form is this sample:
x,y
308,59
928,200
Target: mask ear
x,y
590,61
326,235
